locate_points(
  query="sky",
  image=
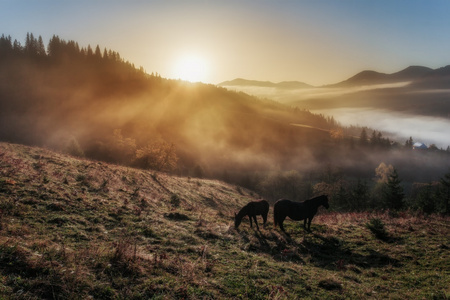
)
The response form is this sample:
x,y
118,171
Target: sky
x,y
317,42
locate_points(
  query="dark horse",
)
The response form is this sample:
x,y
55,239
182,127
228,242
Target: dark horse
x,y
298,210
252,209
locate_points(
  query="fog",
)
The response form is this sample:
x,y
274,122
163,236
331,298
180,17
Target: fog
x,y
401,109
288,96
401,126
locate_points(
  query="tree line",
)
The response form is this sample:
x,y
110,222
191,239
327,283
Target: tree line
x,y
57,48
386,191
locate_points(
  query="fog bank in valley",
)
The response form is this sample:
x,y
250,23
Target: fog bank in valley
x,y
400,126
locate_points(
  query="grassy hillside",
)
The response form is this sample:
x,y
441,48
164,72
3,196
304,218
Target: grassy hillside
x,y
73,229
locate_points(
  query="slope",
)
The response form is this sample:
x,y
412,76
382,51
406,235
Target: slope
x,y
72,229
70,96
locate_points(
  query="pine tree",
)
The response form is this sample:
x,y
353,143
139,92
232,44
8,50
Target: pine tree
x,y
359,196
31,44
54,46
40,47
445,181
6,46
17,47
374,139
409,143
393,192
363,137
90,53
98,53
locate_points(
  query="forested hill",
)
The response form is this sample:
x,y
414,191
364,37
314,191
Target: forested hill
x,y
93,102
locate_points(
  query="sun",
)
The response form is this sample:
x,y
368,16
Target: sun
x,y
191,68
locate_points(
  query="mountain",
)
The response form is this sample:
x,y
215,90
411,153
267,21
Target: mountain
x,y
267,84
413,74
370,77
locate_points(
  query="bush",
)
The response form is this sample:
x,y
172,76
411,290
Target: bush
x,y
377,227
175,200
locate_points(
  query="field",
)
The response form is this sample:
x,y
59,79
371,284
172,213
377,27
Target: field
x,y
76,229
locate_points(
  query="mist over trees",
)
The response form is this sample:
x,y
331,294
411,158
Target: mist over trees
x,y
91,102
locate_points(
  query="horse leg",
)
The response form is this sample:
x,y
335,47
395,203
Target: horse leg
x,y
304,223
281,223
264,219
256,222
309,224
250,218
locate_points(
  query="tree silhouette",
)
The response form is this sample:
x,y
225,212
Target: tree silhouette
x,y
98,53
40,47
445,181
409,143
393,192
363,139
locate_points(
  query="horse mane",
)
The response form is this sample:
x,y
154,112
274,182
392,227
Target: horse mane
x,y
243,211
315,199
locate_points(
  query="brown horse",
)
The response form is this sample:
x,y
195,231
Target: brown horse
x,y
252,209
297,210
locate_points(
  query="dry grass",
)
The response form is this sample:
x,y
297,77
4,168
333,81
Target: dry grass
x,y
74,229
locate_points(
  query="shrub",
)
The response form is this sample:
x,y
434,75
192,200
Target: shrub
x,y
377,227
175,200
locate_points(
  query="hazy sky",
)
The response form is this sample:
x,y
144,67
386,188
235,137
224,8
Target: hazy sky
x,y
317,42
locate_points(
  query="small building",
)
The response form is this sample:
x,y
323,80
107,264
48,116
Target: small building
x,y
419,146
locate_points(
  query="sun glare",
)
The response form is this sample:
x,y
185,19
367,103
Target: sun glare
x,y
191,68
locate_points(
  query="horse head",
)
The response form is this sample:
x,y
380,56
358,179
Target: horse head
x,y
237,221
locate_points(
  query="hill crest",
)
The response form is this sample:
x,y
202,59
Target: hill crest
x,y
366,77
267,84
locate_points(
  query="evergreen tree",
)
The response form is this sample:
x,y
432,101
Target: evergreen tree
x,y
31,44
425,200
98,53
363,137
17,47
54,46
445,181
359,196
90,53
409,143
6,46
374,138
40,50
393,192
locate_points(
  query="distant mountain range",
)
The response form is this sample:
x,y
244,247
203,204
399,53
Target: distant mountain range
x,y
418,75
268,84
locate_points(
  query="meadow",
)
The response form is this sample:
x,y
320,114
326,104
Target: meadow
x,y
73,228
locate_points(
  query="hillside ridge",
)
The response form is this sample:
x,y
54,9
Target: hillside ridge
x,y
257,83
366,77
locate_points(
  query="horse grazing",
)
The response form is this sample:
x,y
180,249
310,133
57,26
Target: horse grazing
x,y
298,210
252,209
